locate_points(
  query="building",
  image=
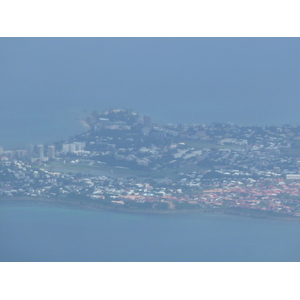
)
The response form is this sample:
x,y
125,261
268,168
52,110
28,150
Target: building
x,y
51,151
158,135
143,162
9,154
147,121
79,146
145,131
40,152
68,148
20,153
72,147
1,150
65,148
293,176
76,146
30,150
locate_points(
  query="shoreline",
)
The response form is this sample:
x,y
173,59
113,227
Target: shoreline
x,y
120,209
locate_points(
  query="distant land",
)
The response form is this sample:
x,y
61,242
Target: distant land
x,y
124,161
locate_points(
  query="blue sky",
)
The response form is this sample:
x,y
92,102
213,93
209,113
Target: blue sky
x,y
246,81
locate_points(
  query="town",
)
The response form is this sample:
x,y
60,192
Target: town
x,y
125,161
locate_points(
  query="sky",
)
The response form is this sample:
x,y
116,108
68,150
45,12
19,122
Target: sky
x,y
47,83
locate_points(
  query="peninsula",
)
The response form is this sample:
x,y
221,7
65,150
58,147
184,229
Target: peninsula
x,y
125,161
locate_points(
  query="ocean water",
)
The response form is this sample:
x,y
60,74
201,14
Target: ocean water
x,y
31,231
37,126
48,83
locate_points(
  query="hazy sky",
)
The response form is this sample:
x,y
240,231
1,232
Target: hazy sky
x,y
202,80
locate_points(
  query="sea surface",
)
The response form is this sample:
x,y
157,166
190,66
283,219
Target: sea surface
x,y
47,84
37,231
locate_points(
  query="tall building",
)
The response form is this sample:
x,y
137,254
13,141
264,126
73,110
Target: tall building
x,y
72,147
40,152
20,153
68,148
147,121
79,146
65,148
30,150
51,151
76,146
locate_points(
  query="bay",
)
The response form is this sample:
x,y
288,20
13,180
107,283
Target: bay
x,y
37,231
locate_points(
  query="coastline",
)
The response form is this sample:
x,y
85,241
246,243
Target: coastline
x,y
120,209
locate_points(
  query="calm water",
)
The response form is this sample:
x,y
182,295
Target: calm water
x,y
48,83
50,232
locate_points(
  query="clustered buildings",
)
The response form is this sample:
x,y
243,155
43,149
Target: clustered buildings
x,y
233,167
192,191
41,153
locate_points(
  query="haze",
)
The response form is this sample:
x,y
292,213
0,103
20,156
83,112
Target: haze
x,y
47,83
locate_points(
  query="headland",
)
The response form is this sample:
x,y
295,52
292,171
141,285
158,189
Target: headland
x,y
126,162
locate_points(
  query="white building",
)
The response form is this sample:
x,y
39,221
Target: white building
x,y
40,152
293,176
51,151
76,146
79,146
